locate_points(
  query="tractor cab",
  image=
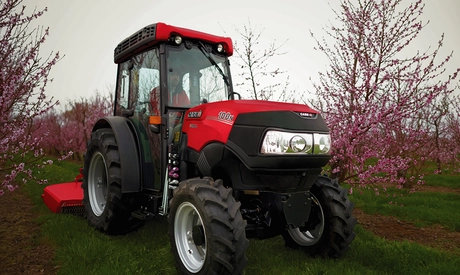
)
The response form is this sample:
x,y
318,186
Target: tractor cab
x,y
163,67
162,72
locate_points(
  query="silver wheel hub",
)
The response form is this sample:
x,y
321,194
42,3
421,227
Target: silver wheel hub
x,y
189,235
97,184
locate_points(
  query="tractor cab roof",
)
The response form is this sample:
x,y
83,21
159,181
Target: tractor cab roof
x,y
158,32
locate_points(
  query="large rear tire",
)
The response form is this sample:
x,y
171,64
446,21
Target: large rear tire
x,y
329,230
206,229
106,208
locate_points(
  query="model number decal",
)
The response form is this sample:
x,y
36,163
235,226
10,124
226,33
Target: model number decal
x,y
225,116
194,114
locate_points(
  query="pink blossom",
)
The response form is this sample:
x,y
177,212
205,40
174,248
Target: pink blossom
x,y
385,127
24,74
11,187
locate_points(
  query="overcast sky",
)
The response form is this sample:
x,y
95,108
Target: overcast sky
x,y
87,31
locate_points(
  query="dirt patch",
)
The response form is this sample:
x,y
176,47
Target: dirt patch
x,y
391,228
21,249
440,189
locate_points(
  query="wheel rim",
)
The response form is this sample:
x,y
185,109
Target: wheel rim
x,y
97,184
310,237
189,234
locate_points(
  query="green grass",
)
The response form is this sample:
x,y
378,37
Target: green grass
x,y
147,251
422,208
446,179
368,255
82,250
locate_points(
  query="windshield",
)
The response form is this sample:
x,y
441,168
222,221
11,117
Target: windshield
x,y
193,77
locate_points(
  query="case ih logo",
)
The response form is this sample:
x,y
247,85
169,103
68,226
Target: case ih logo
x,y
225,116
194,114
303,114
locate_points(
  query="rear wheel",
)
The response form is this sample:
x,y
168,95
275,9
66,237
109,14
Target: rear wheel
x,y
206,229
107,209
329,230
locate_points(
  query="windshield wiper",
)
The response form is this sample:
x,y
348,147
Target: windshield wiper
x,y
213,62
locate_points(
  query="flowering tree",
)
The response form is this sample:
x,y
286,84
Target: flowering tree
x,y
79,118
441,118
47,127
68,130
23,78
450,141
376,100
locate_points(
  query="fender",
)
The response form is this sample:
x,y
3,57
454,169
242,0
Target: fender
x,y
127,146
209,157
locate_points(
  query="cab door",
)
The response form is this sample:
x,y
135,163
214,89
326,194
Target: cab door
x,y
138,82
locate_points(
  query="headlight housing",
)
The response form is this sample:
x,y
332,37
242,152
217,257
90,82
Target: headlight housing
x,y
322,143
279,142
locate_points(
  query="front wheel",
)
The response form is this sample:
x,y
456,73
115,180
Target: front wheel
x,y
329,230
206,229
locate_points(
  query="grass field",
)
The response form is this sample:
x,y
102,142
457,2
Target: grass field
x,y
447,179
421,208
82,250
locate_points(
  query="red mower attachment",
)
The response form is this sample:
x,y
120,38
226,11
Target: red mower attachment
x,y
65,197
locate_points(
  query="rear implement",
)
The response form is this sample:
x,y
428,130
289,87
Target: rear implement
x,y
65,197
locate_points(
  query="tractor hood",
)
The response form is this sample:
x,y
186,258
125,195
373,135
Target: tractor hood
x,y
213,122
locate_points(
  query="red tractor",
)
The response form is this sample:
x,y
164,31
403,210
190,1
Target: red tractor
x,y
183,144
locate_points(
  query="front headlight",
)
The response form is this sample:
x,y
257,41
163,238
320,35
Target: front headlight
x,y
322,143
278,142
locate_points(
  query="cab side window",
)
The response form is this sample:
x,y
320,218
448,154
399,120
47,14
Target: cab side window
x,y
136,80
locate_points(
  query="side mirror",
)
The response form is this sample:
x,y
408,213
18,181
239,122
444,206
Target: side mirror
x,y
127,112
231,95
154,128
